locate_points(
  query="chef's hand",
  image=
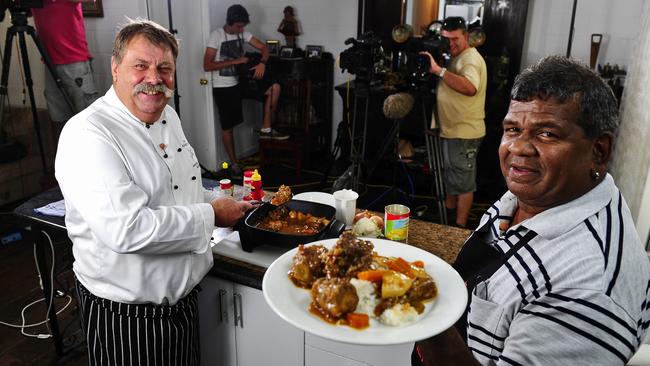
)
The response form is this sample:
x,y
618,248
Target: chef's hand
x,y
227,211
258,70
434,68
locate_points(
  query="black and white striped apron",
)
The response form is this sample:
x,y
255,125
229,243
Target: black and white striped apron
x,y
140,334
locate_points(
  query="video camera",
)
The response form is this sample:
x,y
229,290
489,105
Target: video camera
x,y
18,6
360,59
418,65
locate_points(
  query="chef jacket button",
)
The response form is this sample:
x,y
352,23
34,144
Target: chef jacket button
x,y
212,238
194,178
179,149
147,125
165,156
165,301
164,121
175,187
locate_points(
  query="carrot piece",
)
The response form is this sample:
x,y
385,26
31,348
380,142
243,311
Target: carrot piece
x,y
419,264
371,275
400,265
358,320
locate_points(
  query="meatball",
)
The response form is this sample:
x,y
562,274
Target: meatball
x,y
348,257
423,289
334,297
307,265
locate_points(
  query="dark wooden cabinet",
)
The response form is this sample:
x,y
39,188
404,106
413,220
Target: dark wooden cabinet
x,y
305,105
504,24
505,27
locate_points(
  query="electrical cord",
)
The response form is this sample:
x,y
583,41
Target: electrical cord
x,y
22,326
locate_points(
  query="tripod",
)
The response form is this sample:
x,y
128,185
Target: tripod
x,y
434,156
18,27
358,143
391,139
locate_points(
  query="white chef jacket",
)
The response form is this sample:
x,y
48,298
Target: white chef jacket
x,y
136,212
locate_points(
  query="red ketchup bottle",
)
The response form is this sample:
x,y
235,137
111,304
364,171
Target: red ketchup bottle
x,y
257,192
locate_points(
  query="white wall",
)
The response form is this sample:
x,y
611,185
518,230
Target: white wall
x,y
549,22
100,33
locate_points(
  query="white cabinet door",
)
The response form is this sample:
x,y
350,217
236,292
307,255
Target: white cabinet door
x,y
318,357
262,337
216,327
399,354
237,328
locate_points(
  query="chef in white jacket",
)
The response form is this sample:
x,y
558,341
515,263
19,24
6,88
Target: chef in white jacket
x,y
136,212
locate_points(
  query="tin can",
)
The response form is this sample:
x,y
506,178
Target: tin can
x,y
248,178
396,222
226,187
247,185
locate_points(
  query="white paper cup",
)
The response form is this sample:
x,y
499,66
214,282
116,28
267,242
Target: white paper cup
x,y
346,205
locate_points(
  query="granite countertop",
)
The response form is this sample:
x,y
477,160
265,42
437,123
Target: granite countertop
x,y
441,240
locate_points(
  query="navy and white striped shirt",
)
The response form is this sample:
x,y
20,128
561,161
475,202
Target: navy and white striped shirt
x,y
575,293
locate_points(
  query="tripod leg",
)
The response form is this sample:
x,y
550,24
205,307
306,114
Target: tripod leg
x,y
391,138
358,150
440,187
32,101
364,137
50,68
4,80
435,163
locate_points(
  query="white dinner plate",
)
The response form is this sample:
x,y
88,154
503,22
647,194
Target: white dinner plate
x,y
318,197
291,302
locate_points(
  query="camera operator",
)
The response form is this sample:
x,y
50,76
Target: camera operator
x,y
223,55
460,104
60,27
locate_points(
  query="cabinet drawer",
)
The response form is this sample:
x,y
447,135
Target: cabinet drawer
x,y
371,355
318,357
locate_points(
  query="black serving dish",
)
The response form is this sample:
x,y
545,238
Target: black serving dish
x,y
251,236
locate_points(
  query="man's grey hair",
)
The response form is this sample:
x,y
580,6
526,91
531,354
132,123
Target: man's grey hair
x,y
152,31
565,79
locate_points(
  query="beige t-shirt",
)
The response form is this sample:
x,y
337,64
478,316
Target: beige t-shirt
x,y
462,116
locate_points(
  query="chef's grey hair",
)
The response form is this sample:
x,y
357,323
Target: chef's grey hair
x,y
152,31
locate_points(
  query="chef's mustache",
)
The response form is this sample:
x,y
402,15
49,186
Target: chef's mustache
x,y
153,88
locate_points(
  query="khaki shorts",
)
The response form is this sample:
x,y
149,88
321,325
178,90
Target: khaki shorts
x,y
77,80
460,165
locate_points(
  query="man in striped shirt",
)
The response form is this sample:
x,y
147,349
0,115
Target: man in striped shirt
x,y
555,270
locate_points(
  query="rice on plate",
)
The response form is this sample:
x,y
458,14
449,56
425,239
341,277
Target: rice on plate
x,y
399,314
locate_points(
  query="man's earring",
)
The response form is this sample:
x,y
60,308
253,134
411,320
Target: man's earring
x,y
595,175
